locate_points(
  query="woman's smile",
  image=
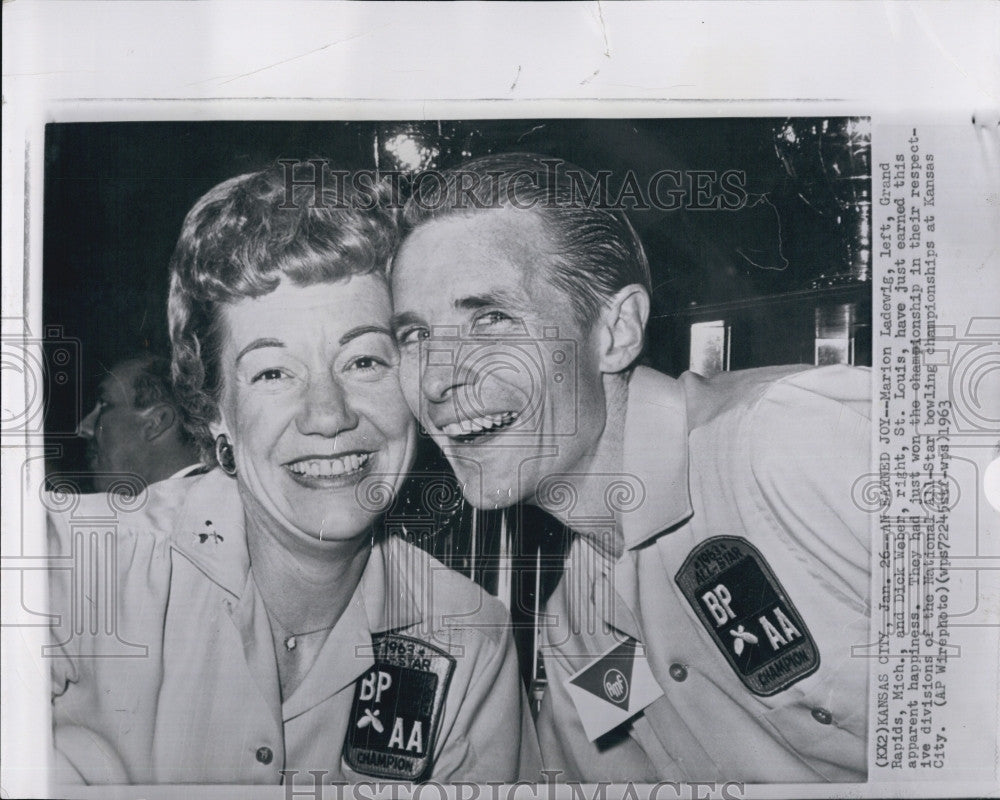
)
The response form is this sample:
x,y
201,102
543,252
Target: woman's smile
x,y
321,472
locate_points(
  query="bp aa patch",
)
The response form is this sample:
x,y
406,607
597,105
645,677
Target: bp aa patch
x,y
397,709
752,620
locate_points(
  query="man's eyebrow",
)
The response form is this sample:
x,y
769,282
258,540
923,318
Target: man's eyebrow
x,y
404,318
494,297
257,344
361,330
107,384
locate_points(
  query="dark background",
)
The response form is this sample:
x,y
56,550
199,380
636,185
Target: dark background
x,y
116,194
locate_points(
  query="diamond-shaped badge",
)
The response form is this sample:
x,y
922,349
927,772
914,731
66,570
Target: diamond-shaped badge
x,y
613,688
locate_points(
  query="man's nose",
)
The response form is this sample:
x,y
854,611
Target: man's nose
x,y
88,425
326,409
438,373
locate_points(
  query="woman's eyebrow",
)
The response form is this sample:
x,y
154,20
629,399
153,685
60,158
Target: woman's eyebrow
x,y
257,344
361,330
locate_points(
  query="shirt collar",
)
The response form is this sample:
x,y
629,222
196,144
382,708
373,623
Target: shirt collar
x,y
212,535
656,452
189,471
392,588
384,600
210,532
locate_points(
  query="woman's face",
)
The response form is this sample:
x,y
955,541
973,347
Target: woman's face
x,y
311,403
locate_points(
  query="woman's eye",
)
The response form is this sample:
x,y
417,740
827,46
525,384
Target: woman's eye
x,y
367,362
268,375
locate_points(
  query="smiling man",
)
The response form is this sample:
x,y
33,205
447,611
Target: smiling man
x,y
718,575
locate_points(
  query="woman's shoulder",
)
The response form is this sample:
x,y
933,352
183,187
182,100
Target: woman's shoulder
x,y
158,513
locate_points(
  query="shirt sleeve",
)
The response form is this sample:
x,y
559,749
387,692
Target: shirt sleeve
x,y
107,593
810,439
61,650
80,754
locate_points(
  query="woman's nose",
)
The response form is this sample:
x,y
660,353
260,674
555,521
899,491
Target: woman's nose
x,y
326,409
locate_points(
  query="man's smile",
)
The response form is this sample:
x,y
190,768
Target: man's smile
x,y
472,428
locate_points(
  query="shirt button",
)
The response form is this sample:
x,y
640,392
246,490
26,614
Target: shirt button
x,y
264,755
678,672
822,716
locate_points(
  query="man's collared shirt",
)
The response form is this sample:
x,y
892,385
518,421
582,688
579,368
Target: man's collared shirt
x,y
746,482
177,682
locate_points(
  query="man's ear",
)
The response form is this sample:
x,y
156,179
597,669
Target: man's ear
x,y
623,328
158,420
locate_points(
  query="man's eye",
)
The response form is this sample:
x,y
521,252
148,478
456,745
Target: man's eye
x,y
268,375
489,319
411,336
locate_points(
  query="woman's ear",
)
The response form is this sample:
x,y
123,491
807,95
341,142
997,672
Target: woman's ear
x,y
623,328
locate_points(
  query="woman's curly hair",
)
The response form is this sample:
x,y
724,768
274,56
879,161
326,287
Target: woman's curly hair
x,y
247,234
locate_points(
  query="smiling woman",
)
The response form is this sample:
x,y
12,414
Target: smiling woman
x,y
283,631
313,407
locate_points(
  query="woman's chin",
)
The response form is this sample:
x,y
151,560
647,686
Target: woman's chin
x,y
342,526
329,508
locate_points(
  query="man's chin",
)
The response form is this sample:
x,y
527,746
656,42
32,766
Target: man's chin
x,y
489,498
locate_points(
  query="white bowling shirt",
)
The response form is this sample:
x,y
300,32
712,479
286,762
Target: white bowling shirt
x,y
184,688
745,580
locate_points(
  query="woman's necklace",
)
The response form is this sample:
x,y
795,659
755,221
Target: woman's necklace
x,y
292,639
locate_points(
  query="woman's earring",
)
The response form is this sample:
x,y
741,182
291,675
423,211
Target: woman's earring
x,y
224,454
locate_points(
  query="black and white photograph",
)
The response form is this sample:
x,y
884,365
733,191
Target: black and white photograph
x,y
473,448
682,401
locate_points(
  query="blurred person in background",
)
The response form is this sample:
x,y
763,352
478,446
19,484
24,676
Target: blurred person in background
x,y
136,426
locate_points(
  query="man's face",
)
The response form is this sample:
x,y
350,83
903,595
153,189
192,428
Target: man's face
x,y
494,361
113,429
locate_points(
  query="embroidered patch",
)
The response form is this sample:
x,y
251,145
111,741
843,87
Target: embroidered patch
x,y
397,709
745,609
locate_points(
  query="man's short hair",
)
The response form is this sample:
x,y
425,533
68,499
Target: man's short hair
x,y
152,384
597,250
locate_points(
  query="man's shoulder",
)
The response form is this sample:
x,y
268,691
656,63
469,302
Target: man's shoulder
x,y
776,393
792,432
